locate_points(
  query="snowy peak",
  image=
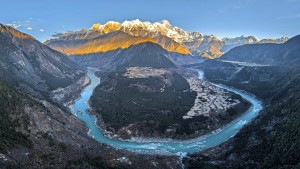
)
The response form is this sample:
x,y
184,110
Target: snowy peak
x,y
139,28
240,40
96,26
252,40
274,40
109,27
172,38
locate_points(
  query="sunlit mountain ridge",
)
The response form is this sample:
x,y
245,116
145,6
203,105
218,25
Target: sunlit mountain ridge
x,y
104,37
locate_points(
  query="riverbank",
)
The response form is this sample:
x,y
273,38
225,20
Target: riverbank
x,y
164,146
213,109
145,102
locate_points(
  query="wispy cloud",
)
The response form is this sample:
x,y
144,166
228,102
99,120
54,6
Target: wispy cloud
x,y
29,24
297,16
232,7
14,25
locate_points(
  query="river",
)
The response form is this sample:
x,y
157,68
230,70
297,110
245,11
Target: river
x,y
164,146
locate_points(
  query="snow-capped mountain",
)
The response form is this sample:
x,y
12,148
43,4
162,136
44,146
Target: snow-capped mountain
x,y
139,28
173,39
252,39
274,40
206,46
230,43
240,40
104,37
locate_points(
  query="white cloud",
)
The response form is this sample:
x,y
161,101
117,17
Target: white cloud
x,y
29,28
14,25
42,30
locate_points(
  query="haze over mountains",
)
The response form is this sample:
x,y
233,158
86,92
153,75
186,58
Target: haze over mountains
x,y
171,38
149,88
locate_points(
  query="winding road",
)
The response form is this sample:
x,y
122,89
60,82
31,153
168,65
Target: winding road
x,y
164,146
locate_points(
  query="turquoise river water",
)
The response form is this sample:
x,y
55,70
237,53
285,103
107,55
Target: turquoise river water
x,y
164,146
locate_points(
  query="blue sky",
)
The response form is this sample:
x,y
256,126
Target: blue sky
x,y
223,18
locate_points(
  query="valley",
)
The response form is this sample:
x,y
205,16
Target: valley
x,y
87,85
265,138
148,96
37,129
165,147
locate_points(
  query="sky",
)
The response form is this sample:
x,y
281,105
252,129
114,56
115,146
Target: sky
x,y
222,18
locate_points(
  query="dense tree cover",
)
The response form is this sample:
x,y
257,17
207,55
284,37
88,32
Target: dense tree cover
x,y
56,82
88,161
271,141
12,103
277,133
141,100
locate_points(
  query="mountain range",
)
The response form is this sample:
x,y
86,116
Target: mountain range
x,y
270,72
141,84
146,94
37,129
267,54
173,39
145,91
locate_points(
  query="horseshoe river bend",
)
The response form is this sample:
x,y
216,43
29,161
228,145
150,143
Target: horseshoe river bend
x,y
164,146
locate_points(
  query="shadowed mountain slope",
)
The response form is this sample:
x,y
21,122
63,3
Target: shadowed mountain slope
x,y
31,65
